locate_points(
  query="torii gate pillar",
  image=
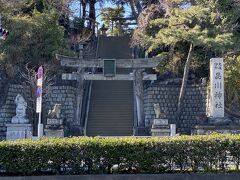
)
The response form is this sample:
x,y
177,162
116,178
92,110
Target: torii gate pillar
x,y
138,93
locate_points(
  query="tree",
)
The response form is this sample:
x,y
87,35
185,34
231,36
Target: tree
x,y
87,15
33,39
10,6
59,6
113,19
29,81
199,26
136,6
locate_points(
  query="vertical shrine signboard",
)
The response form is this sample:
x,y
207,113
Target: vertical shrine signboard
x,y
217,87
109,67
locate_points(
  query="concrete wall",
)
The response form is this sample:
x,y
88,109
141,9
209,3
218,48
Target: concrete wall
x,y
131,177
194,104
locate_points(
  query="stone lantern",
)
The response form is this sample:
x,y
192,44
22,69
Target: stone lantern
x,y
103,30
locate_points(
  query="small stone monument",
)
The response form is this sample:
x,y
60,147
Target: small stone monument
x,y
160,126
19,127
54,126
216,111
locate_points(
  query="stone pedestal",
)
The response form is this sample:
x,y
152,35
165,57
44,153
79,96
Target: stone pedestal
x,y
160,122
54,123
54,127
161,132
54,132
219,121
160,127
19,131
209,129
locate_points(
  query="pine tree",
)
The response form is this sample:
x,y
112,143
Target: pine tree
x,y
113,18
198,25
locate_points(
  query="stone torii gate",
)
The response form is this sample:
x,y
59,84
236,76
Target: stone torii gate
x,y
137,76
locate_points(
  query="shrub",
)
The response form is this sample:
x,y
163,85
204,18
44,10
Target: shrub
x,y
94,155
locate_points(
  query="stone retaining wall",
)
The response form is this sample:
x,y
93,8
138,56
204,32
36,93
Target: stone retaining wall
x,y
64,95
194,104
8,108
164,94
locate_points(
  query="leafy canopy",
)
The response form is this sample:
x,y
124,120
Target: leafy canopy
x,y
209,25
195,25
113,19
32,39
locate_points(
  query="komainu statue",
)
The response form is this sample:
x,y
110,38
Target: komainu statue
x,y
158,112
56,112
20,117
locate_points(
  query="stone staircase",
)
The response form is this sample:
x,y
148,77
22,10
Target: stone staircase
x,y
111,109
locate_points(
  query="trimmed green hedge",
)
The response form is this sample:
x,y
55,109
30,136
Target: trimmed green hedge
x,y
85,155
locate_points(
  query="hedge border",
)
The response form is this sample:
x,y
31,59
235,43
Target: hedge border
x,y
98,155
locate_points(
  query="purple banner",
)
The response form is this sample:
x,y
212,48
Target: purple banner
x,y
40,72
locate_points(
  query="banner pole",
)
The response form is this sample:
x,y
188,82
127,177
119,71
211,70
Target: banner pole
x,y
39,101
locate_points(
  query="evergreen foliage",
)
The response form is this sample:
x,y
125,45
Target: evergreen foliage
x,y
191,27
209,25
113,20
232,83
33,39
88,155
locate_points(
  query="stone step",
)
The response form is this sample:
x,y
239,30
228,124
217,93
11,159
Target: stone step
x,y
111,109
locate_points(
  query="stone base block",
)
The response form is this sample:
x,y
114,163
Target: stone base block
x,y
160,122
208,129
54,133
160,132
19,131
154,126
217,121
54,123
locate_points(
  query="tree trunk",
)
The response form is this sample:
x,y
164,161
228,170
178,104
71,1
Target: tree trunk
x,y
83,11
135,14
184,84
138,6
92,15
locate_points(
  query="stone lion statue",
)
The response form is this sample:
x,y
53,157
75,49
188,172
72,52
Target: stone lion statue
x,y
157,110
55,112
20,117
